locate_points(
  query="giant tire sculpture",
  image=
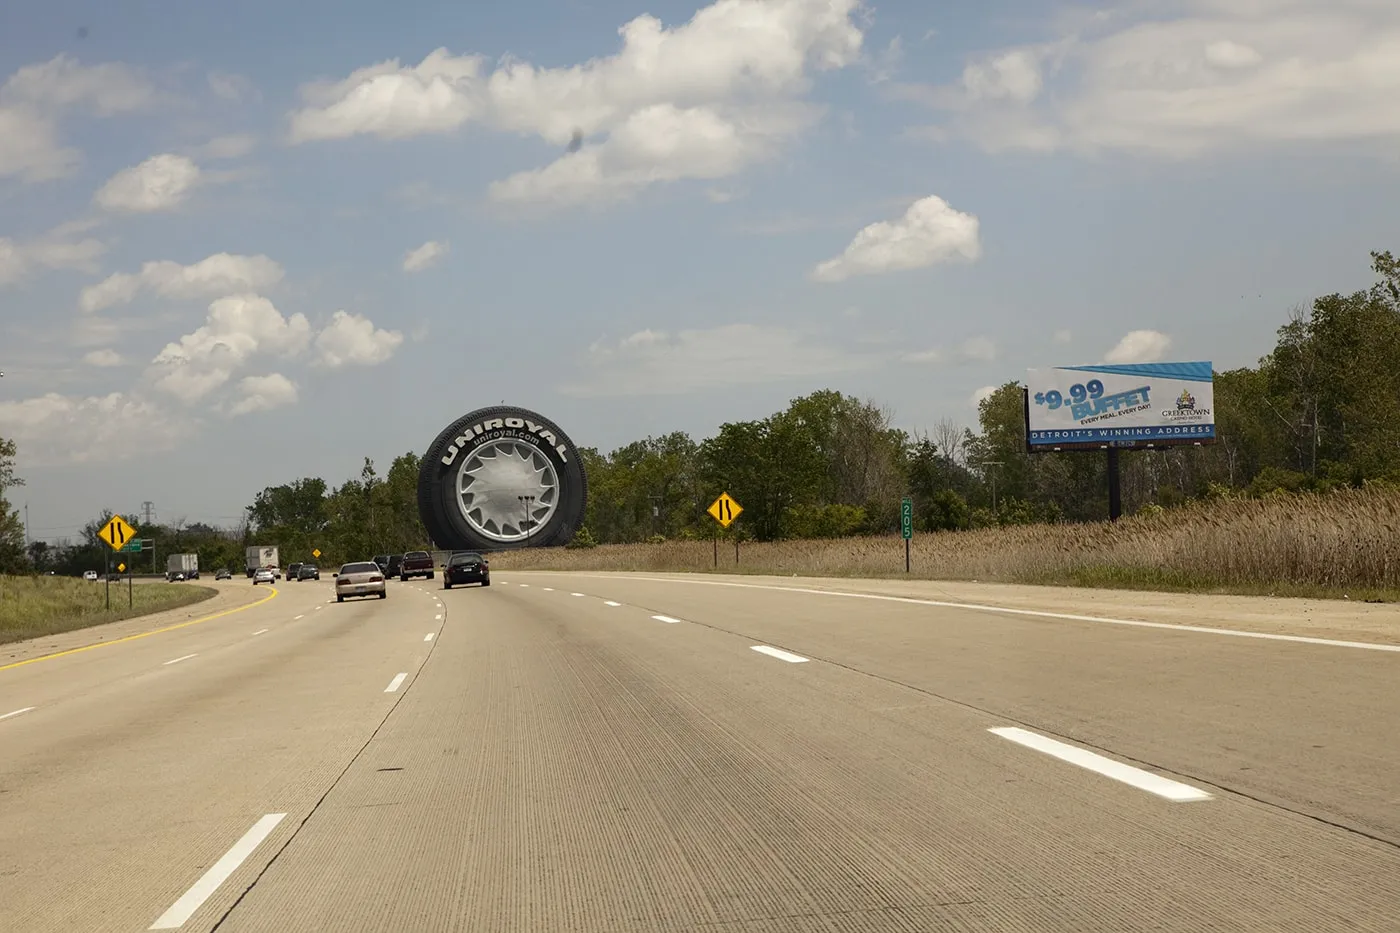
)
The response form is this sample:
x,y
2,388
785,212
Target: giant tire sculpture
x,y
475,475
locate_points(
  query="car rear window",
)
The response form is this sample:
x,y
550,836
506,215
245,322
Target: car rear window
x,y
465,559
415,555
364,567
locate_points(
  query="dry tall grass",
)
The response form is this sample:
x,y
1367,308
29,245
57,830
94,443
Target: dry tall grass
x,y
1341,542
35,606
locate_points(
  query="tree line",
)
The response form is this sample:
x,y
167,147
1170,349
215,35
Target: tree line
x,y
1319,411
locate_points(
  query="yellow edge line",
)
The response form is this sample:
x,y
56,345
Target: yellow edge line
x,y
118,641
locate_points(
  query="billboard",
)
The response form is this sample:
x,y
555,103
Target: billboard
x,y
1127,405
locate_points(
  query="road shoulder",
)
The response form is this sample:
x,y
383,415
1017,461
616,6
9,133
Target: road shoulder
x,y
228,596
1311,618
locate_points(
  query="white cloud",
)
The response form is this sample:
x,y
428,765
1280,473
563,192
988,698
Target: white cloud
x,y
219,274
229,147
416,260
103,358
161,183
660,363
1139,346
264,393
659,143
61,83
56,429
981,395
700,100
883,66
1210,75
237,329
60,248
231,87
972,350
1012,76
353,340
1062,337
930,232
29,147
35,98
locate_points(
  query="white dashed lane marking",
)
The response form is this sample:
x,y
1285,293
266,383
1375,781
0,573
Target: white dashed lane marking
x,y
780,654
1092,761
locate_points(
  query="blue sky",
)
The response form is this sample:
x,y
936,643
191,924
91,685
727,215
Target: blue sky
x,y
239,245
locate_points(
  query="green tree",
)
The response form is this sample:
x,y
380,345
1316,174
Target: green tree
x,y
13,558
769,466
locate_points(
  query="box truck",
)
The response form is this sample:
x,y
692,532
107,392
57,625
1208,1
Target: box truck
x,y
262,556
186,565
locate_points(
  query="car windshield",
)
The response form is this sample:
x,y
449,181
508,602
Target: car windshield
x,y
363,567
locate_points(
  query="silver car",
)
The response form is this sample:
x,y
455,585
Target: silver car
x,y
363,578
263,575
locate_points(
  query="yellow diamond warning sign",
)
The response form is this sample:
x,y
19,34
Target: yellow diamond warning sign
x,y
117,533
724,509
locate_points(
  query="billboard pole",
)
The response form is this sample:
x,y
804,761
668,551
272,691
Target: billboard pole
x,y
1115,487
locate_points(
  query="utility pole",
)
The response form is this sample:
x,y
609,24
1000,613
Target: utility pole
x,y
655,513
993,463
26,526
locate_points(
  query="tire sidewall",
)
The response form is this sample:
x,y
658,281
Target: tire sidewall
x,y
438,500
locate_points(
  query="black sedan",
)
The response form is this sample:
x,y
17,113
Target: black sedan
x,y
466,567
308,572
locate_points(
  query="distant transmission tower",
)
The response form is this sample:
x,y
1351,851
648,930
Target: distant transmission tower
x,y
148,513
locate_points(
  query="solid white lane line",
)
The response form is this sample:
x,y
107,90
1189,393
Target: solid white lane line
x,y
260,631
780,654
428,637
666,619
194,898
17,712
184,658
395,683
1135,777
609,602
1033,613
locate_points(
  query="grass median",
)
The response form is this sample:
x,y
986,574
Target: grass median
x,y
1342,544
31,607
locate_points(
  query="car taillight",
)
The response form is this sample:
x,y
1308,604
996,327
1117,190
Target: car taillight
x,y
376,578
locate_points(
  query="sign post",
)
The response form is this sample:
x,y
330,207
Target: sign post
x,y
118,534
906,526
725,511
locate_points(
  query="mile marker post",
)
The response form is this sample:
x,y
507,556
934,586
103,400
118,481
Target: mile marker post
x,y
906,526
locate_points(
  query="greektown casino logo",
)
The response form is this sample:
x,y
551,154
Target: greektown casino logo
x,y
1186,401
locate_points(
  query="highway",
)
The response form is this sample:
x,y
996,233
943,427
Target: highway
x,y
586,752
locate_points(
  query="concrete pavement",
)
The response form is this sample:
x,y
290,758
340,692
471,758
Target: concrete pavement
x,y
571,752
